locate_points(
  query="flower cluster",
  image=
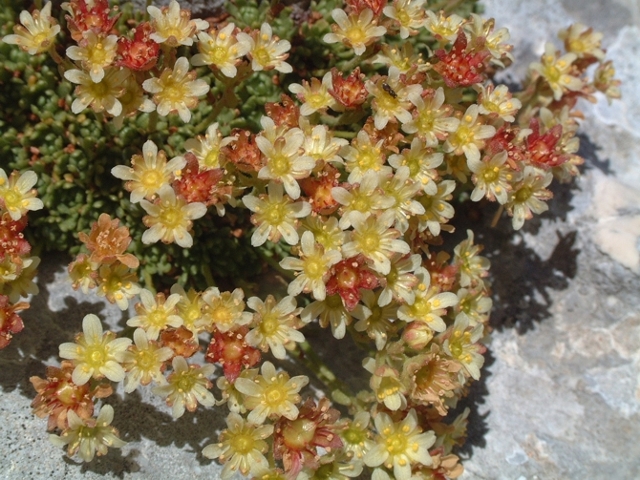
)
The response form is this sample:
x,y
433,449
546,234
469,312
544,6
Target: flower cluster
x,y
17,266
349,192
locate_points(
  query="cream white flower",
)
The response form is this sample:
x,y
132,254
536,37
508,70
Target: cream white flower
x,y
558,71
429,304
409,14
174,26
422,163
89,436
329,312
95,52
391,99
149,172
403,189
156,313
444,28
275,215
315,95
437,209
95,354
470,135
312,268
143,362
357,31
275,325
462,344
285,163
186,387
17,195
170,218
221,49
491,178
100,96
176,90
224,311
320,144
365,199
400,281
362,156
241,447
432,120
374,320
267,51
207,148
326,231
375,239
271,394
37,32
399,445
528,195
497,101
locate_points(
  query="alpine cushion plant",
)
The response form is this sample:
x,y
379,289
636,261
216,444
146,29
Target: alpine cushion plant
x,y
347,192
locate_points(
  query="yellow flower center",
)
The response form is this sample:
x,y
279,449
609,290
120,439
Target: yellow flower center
x,y
12,200
242,443
261,55
275,395
314,268
356,35
186,382
396,444
523,194
280,165
171,216
490,175
269,325
146,360
211,159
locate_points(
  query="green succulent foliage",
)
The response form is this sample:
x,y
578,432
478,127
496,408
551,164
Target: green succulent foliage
x,y
73,156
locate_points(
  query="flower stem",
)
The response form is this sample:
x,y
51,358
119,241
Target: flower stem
x,y
339,390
